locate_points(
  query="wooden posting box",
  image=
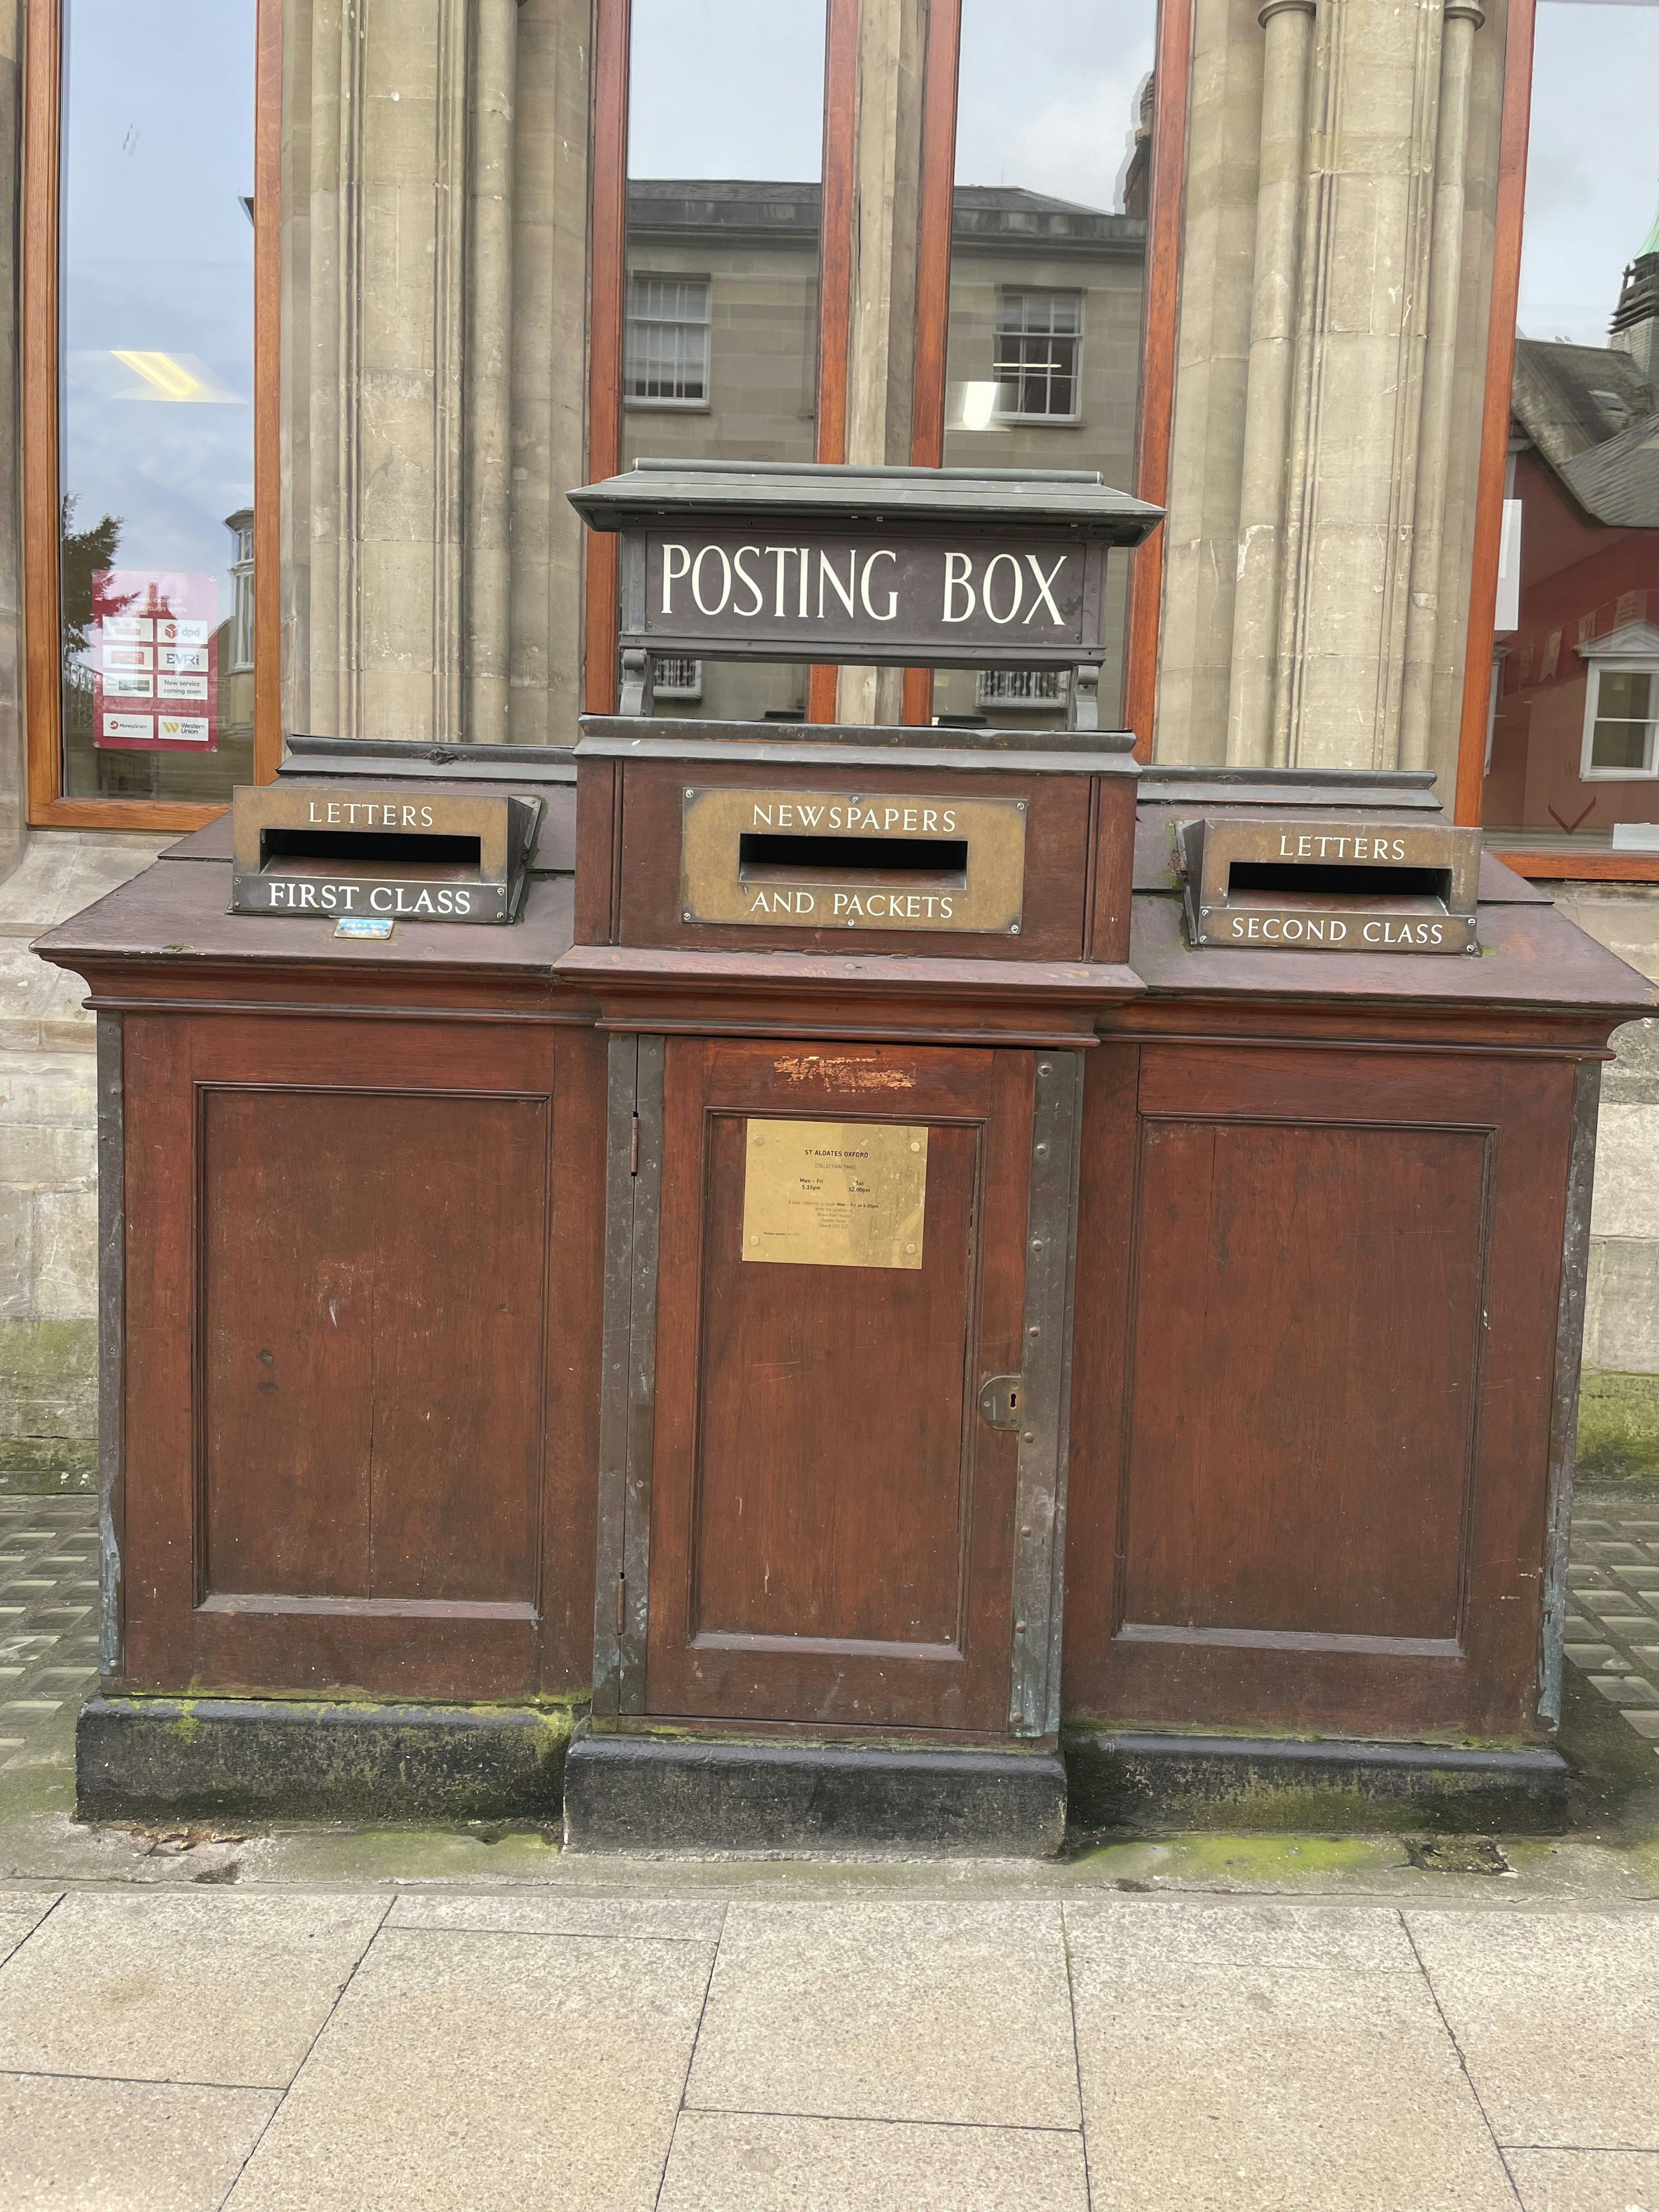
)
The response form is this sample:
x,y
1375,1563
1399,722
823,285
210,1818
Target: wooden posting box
x,y
849,975
1322,1423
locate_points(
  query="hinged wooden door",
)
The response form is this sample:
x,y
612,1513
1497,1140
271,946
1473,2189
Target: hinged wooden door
x,y
836,1534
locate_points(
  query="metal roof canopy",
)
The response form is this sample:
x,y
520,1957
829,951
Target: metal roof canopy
x,y
1077,500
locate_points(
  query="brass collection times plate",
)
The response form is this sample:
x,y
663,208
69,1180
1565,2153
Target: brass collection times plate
x,y
852,860
835,1193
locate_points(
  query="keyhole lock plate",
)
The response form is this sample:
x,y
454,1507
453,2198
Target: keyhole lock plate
x,y
1002,1401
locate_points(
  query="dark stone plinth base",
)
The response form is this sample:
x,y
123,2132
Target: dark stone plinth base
x,y
217,1758
1125,1782
642,1793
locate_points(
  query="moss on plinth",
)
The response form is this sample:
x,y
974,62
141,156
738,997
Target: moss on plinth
x,y
1619,1429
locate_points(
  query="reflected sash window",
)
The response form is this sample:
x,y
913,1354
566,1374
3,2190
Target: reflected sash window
x,y
1049,227
1035,358
667,340
1570,751
1619,723
724,212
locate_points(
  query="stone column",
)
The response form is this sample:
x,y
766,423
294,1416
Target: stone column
x,y
397,281
1358,403
549,369
14,776
1201,552
1288,26
489,426
1431,573
881,342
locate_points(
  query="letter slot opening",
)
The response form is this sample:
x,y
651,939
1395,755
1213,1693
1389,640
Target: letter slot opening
x,y
1282,880
769,856
424,855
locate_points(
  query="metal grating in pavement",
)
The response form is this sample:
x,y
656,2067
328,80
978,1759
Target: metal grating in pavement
x,y
48,1617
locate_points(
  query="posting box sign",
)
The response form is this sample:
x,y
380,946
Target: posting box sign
x,y
1018,600
1290,885
850,859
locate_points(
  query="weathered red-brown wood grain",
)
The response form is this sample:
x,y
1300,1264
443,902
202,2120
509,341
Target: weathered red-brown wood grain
x,y
1310,1421
831,1520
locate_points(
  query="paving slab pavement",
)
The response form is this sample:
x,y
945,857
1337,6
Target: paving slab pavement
x,y
303,2051
316,2019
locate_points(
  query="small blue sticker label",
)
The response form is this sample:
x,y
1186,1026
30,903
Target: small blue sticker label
x,y
363,925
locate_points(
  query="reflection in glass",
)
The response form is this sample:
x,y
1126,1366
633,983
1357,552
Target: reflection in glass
x,y
725,133
156,413
1047,263
1571,752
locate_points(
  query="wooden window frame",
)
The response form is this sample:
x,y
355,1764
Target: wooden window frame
x,y
1509,211
607,288
42,201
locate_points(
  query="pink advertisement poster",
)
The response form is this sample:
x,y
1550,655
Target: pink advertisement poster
x,y
154,660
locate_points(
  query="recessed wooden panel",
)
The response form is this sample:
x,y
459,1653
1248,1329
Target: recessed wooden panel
x,y
830,1475
374,1311
831,1536
1304,1359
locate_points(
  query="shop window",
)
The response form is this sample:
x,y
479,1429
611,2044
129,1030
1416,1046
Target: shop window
x,y
144,408
1570,766
811,245
1049,227
668,346
147,412
724,209
1035,356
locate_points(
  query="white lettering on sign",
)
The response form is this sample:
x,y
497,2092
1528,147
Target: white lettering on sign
x,y
848,594
864,590
853,817
372,814
703,606
1045,597
1368,846
991,568
1298,929
1405,932
854,906
747,583
315,895
1012,589
958,567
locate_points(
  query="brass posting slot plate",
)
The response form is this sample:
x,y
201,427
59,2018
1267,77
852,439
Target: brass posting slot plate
x,y
852,859
339,850
1285,885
